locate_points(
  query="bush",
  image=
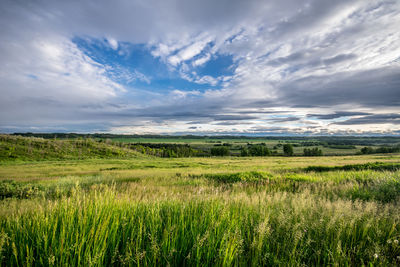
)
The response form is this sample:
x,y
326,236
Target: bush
x,y
312,152
377,166
238,177
288,149
259,150
220,151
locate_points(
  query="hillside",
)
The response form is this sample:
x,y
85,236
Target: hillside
x,y
32,148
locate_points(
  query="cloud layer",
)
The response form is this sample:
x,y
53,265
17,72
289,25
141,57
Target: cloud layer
x,y
247,67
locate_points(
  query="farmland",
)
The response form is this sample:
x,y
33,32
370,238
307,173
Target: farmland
x,y
86,202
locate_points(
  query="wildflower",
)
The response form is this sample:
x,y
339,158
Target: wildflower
x,y
389,241
375,256
396,241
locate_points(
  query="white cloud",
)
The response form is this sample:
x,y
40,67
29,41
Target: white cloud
x,y
50,76
176,94
201,61
206,79
192,51
184,54
113,43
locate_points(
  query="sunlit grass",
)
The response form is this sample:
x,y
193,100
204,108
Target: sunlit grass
x,y
103,227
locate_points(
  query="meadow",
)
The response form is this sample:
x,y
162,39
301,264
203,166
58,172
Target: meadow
x,y
120,207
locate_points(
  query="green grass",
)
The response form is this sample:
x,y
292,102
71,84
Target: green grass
x,y
14,148
229,211
101,227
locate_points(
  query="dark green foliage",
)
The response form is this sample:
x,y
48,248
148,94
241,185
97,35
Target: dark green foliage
x,y
310,143
383,149
164,150
259,150
367,150
383,191
220,151
288,149
238,177
255,150
377,166
341,146
312,152
244,152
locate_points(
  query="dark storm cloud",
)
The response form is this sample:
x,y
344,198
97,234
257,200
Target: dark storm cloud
x,y
338,59
337,114
249,111
228,123
371,88
268,129
300,60
234,117
288,59
284,130
308,16
288,119
393,118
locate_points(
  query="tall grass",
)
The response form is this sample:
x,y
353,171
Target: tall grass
x,y
200,212
102,227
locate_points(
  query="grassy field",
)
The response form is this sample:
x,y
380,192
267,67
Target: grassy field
x,y
329,145
226,211
203,144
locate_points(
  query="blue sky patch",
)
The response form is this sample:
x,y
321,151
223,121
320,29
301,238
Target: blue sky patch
x,y
218,65
133,65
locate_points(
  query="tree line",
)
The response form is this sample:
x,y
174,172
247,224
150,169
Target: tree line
x,y
379,150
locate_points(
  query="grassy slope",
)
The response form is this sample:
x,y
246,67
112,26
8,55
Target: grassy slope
x,y
31,148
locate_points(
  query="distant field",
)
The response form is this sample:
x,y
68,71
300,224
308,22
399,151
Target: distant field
x,y
127,208
193,141
238,143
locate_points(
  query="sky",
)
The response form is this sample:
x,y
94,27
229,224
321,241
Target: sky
x,y
287,67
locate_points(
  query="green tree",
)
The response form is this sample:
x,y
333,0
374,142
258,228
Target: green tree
x,y
312,152
288,149
259,150
220,151
367,150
